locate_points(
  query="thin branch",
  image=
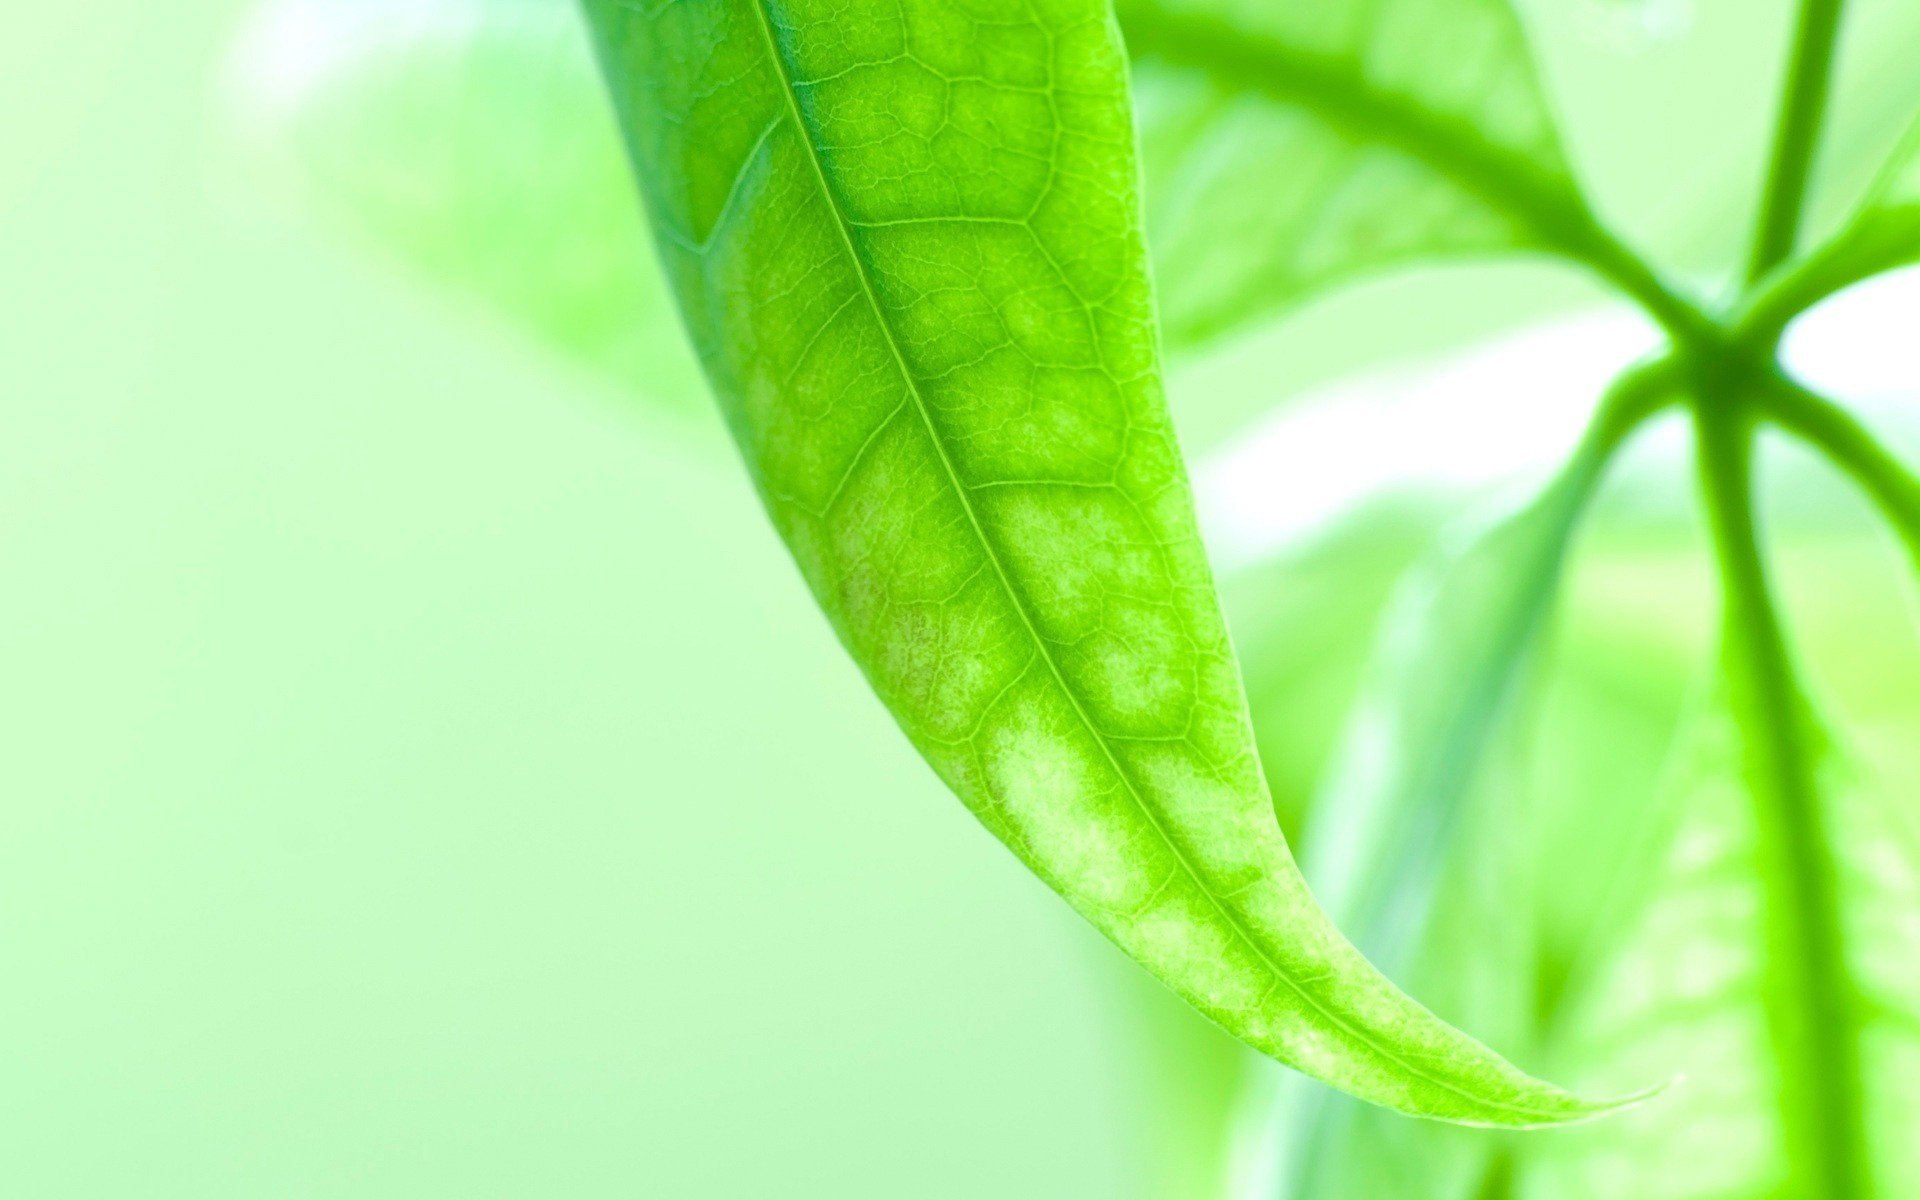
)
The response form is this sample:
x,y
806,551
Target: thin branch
x,y
1850,446
1803,107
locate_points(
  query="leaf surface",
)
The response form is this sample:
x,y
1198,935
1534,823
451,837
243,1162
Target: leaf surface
x,y
907,241
1293,147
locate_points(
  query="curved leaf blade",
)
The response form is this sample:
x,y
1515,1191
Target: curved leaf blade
x,y
907,242
1291,148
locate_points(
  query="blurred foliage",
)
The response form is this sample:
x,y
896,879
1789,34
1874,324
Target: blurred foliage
x,y
1612,762
1546,772
1393,153
214,918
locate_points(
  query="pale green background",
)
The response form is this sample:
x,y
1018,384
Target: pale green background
x,y
421,772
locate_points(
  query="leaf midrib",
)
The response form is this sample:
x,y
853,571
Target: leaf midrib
x,y
861,269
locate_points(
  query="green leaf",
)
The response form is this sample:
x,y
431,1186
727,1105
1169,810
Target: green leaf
x,y
471,139
1695,976
907,242
1292,147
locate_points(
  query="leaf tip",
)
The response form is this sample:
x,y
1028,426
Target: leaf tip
x,y
1594,1110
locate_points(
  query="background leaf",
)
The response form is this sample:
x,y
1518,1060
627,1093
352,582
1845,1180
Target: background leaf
x,y
1689,984
1419,839
1290,148
908,247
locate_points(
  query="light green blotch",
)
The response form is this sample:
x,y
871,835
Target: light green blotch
x,y
911,592
1058,793
1045,322
1071,549
1182,933
1154,477
1215,814
1132,668
955,686
898,535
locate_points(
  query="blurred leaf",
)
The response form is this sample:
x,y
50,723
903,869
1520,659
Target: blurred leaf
x,y
1693,976
471,139
1292,147
908,247
1414,783
1452,648
1305,625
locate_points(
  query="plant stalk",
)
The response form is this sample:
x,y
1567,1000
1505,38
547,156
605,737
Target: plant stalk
x,y
1852,449
1803,107
1810,1013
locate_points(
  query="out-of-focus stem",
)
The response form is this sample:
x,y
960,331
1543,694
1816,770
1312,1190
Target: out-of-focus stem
x,y
1810,1006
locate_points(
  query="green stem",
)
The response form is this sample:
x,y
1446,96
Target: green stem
x,y
1803,108
1850,446
1810,1012
1877,239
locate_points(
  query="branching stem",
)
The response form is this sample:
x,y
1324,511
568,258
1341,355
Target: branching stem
x,y
1810,1015
1811,1022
